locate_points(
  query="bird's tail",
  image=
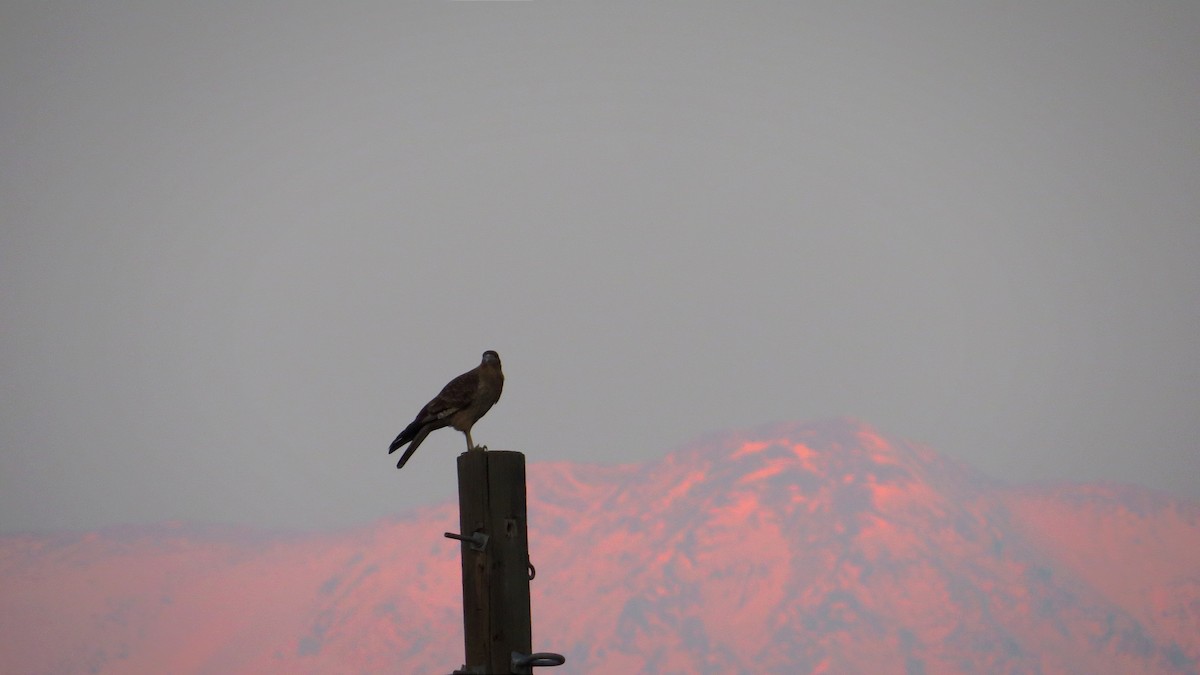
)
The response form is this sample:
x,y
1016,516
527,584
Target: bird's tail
x,y
416,441
409,433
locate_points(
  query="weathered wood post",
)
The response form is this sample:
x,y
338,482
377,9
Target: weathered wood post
x,y
495,565
495,571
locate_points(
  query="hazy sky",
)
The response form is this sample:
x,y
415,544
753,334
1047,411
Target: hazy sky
x,y
242,243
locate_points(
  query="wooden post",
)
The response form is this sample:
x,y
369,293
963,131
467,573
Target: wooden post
x,y
495,575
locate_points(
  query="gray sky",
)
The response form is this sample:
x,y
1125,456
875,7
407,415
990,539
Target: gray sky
x,y
242,243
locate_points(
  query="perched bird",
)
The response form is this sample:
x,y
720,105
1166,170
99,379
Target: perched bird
x,y
460,405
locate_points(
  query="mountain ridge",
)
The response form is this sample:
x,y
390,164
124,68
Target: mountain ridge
x,y
792,547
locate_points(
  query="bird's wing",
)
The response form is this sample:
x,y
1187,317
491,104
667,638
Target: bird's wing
x,y
459,393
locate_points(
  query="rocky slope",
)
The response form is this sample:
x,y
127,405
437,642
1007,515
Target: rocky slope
x,y
793,548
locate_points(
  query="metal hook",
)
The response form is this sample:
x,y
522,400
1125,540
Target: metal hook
x,y
537,659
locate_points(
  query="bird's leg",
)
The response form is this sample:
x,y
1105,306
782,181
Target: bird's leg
x,y
471,444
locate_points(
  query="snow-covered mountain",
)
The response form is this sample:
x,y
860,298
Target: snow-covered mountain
x,y
793,548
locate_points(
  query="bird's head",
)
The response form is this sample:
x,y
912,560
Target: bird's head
x,y
491,358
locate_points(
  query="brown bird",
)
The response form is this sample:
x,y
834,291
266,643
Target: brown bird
x,y
460,405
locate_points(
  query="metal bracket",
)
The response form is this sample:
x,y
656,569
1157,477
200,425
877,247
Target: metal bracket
x,y
478,540
537,659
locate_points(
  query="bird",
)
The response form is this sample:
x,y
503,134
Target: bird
x,y
460,404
